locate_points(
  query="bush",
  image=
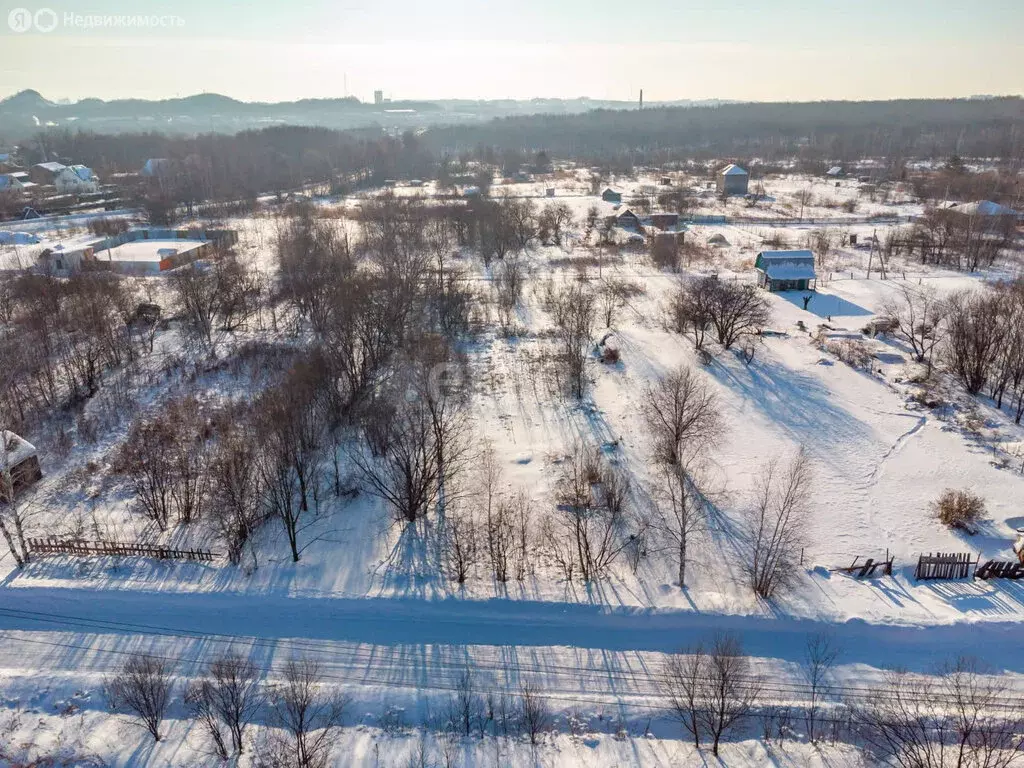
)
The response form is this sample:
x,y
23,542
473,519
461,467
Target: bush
x,y
851,352
959,509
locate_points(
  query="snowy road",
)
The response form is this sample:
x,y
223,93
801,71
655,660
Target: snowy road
x,y
81,627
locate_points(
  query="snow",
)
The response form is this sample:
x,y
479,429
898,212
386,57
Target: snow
x,y
396,632
147,251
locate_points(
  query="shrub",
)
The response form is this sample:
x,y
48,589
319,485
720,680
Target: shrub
x,y
851,352
959,509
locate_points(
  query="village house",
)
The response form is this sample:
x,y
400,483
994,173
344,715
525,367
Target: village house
x,y
611,196
66,258
733,180
19,465
985,210
45,173
786,270
76,180
18,181
629,220
665,220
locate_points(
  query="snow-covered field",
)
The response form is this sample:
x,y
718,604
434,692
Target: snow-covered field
x,y
395,633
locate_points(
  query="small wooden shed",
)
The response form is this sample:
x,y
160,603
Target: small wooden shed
x,y
786,270
611,196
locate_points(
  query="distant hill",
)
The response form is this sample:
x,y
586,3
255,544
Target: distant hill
x,y
28,111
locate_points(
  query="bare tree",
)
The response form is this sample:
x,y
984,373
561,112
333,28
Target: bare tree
x,y
918,315
731,688
143,687
684,680
197,296
737,310
509,279
974,337
682,414
776,524
535,714
821,242
310,715
290,419
987,734
682,513
906,726
574,315
590,516
552,222
238,490
460,544
690,308
466,705
820,656
405,476
230,697
148,459
613,296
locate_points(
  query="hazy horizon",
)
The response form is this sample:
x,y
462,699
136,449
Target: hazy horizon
x,y
262,51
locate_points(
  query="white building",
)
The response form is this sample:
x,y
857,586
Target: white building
x,y
15,182
76,180
151,257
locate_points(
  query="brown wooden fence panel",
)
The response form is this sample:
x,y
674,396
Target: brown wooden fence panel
x,y
944,565
79,548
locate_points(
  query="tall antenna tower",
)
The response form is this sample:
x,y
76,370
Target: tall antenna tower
x,y
641,98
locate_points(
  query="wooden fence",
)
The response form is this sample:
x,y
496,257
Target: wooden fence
x,y
1000,569
80,548
943,565
868,568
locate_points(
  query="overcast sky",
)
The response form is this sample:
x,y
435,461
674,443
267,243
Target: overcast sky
x,y
269,50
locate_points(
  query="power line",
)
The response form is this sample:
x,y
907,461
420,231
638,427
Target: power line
x,y
656,679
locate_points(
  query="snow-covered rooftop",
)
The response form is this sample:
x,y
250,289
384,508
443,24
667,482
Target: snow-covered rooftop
x,y
983,208
147,250
787,265
14,449
733,170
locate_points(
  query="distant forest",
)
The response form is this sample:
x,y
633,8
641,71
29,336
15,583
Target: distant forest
x,y
283,158
839,130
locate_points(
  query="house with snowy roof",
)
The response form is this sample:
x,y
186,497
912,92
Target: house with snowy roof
x,y
76,180
611,195
786,270
19,465
18,181
985,208
45,173
733,180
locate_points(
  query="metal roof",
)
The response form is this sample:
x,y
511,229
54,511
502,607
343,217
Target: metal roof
x,y
787,265
733,170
